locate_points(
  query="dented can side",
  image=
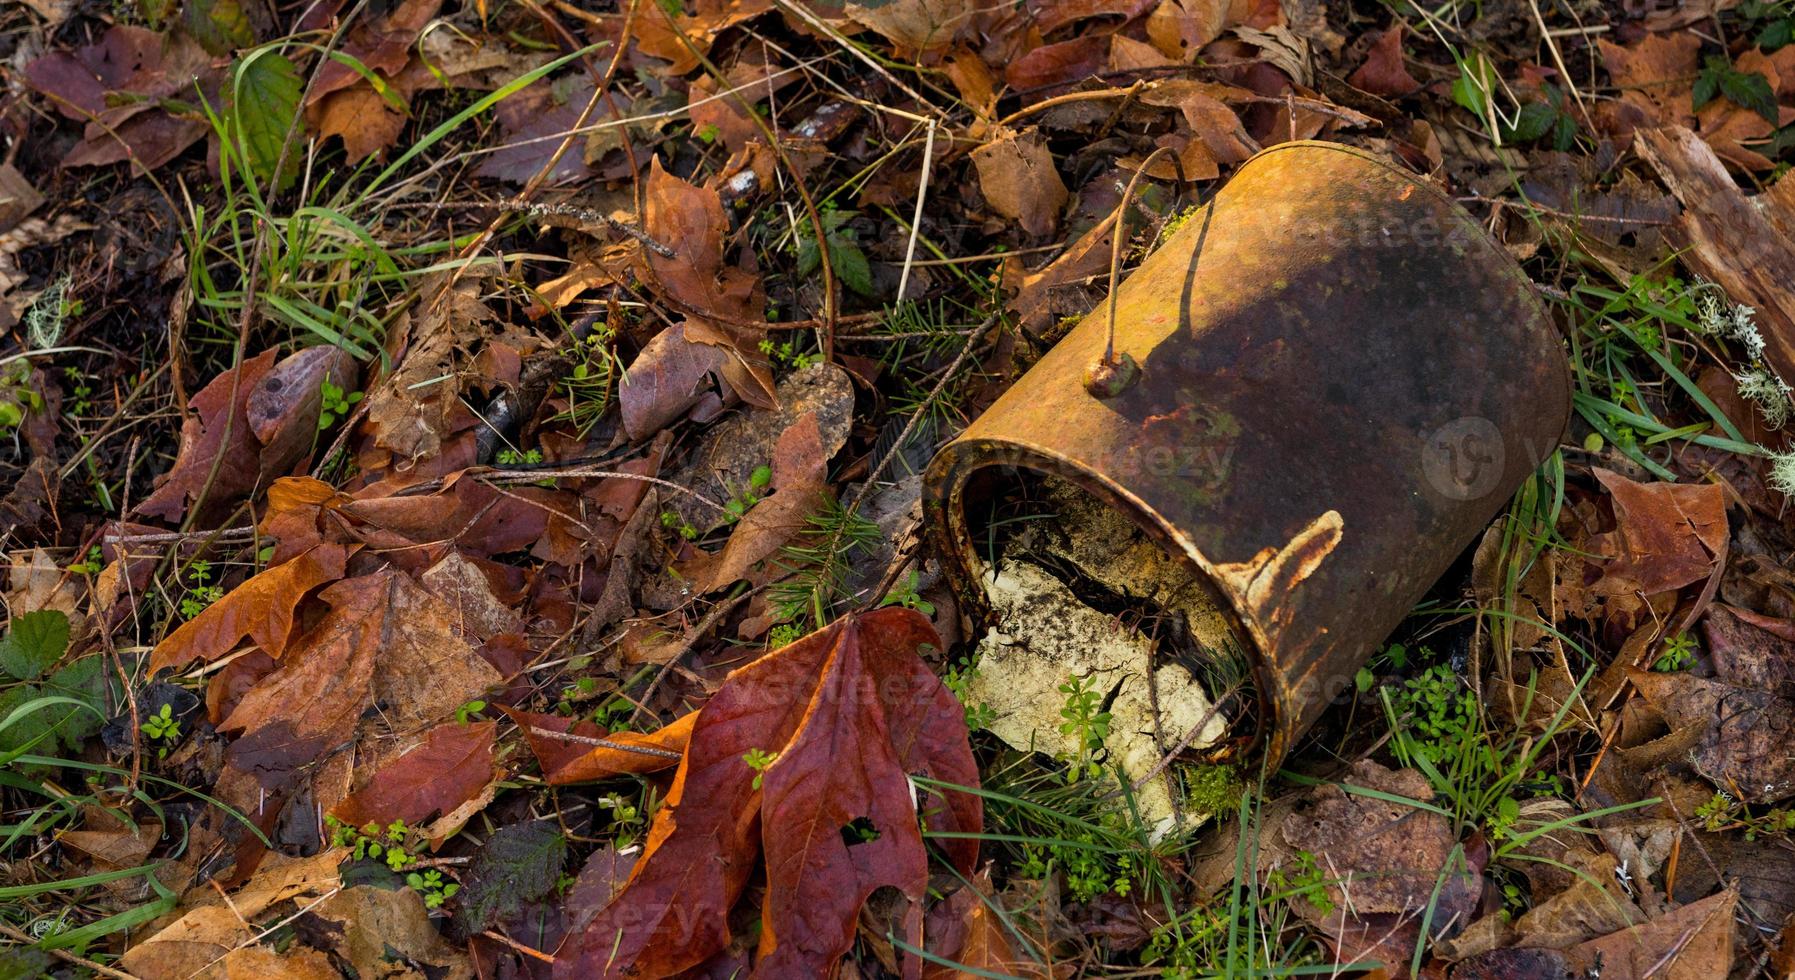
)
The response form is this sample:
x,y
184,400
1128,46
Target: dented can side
x,y
1343,379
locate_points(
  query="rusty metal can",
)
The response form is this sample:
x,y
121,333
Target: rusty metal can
x,y
1342,379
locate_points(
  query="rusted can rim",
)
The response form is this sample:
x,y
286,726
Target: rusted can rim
x,y
945,494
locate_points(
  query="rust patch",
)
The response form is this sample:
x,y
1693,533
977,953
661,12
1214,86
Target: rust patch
x,y
1269,576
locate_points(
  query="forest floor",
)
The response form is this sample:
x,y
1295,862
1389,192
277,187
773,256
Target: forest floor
x,y
460,478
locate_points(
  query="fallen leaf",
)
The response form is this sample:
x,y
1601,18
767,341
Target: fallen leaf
x,y
261,963
1383,72
799,484
1694,942
1017,176
380,42
518,864
535,122
983,939
665,381
567,761
915,26
419,405
261,609
1383,859
378,926
117,85
1745,732
386,640
188,947
1666,535
1749,650
848,712
478,613
1052,65
689,220
1593,904
449,766
217,434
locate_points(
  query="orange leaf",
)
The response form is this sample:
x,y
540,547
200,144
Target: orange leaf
x,y
849,712
260,609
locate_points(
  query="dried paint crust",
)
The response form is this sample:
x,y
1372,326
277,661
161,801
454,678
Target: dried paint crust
x,y
1156,617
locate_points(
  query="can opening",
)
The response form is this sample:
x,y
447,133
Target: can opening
x,y
1080,594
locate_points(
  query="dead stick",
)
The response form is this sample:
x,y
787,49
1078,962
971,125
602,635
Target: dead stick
x,y
605,743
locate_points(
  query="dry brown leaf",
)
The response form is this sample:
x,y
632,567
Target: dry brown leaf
x,y
190,947
1694,942
262,963
218,432
1018,178
375,920
1383,859
261,609
449,766
567,761
915,26
847,712
1728,238
414,409
799,481
1666,535
666,380
1383,72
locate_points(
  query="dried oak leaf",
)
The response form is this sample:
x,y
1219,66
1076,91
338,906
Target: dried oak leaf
x,y
377,926
419,404
385,639
1694,942
1750,650
979,939
219,433
1744,747
118,87
689,220
260,609
448,767
665,381
1666,535
567,761
535,122
847,713
1389,858
1063,63
916,26
1383,72
1018,178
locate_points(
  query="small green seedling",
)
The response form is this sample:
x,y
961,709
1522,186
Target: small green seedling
x,y
904,594
468,711
1678,654
92,564
759,760
1088,725
673,522
336,404
201,591
395,844
164,729
433,887
958,679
